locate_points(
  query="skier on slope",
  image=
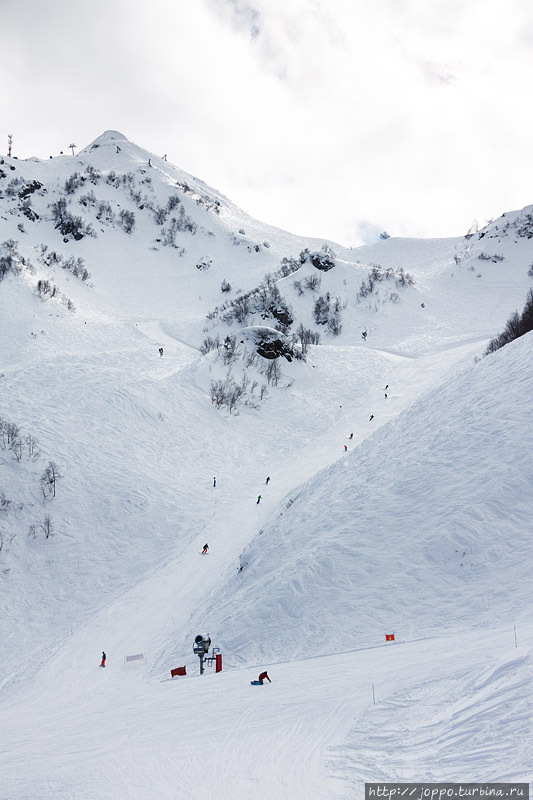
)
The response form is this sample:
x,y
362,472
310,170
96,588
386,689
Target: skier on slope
x,y
206,548
267,481
258,499
102,663
263,676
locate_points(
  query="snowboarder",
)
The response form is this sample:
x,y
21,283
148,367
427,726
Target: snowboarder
x,y
214,481
371,417
267,481
258,499
160,351
263,676
102,663
206,548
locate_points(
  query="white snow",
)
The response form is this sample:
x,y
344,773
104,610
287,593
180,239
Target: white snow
x,y
421,528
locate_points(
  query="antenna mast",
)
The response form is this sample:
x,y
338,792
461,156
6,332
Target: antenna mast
x,y
9,143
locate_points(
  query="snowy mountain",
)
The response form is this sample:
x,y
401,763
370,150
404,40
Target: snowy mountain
x,y
153,338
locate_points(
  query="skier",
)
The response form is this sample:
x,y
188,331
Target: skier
x,y
214,481
267,481
160,351
363,335
351,436
386,387
258,499
386,395
371,417
345,448
263,676
206,548
102,663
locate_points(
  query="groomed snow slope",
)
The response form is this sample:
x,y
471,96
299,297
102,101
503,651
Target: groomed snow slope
x,y
453,709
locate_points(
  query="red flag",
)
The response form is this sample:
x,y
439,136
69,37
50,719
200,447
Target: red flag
x,y
389,637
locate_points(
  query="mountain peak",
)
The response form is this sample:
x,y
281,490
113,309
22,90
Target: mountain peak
x,y
107,137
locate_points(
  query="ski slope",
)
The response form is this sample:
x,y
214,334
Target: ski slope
x,y
443,712
421,527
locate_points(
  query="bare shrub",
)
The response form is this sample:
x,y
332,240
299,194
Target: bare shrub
x,y
209,344
47,527
312,282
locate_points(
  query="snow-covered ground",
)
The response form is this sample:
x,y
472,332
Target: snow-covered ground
x,y
419,525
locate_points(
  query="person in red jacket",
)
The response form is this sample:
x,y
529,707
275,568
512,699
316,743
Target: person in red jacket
x,y
102,664
263,676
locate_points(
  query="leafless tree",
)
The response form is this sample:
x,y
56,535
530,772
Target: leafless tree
x,y
49,479
32,445
47,526
273,372
218,393
229,350
16,448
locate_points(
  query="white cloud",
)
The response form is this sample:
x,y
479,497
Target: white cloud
x,y
320,116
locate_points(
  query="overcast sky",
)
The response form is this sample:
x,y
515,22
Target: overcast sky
x,y
330,118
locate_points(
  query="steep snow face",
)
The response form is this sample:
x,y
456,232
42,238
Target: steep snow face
x,y
416,531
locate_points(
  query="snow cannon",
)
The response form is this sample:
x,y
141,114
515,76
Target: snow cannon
x,y
202,643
